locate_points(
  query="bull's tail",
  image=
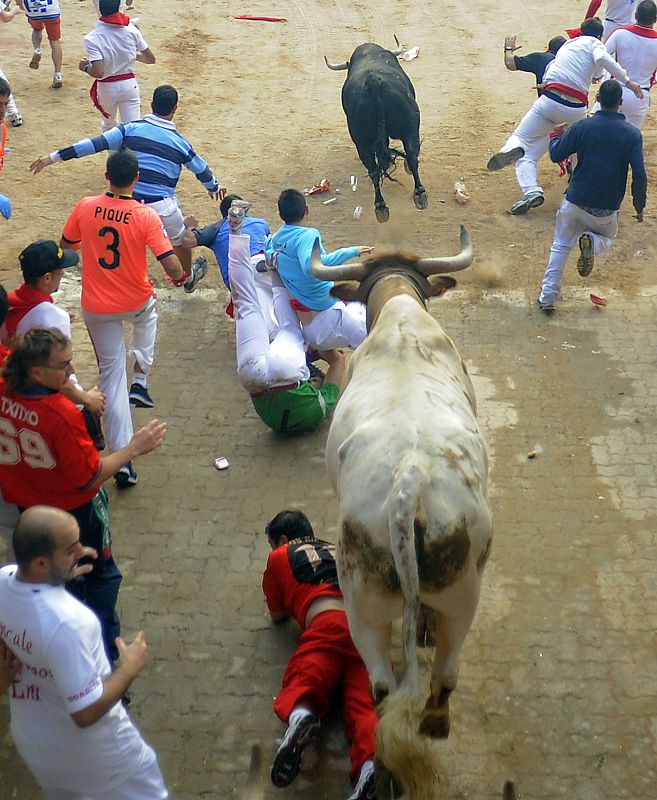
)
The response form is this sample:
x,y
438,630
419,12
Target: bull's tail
x,y
384,157
403,510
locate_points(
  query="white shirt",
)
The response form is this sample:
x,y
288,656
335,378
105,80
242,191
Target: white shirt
x,y
45,315
620,11
59,643
580,60
116,45
42,9
638,54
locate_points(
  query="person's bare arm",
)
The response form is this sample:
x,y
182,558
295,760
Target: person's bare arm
x,y
509,49
337,364
9,667
94,68
173,268
7,16
132,659
145,440
146,56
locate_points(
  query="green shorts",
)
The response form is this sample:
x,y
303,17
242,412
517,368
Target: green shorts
x,y
297,410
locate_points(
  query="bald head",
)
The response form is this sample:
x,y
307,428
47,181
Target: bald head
x,y
37,531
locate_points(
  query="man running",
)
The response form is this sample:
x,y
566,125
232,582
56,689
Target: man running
x,y
114,231
45,15
162,152
113,48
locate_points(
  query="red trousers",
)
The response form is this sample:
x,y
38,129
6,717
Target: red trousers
x,y
326,659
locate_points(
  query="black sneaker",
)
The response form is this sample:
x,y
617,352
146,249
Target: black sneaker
x,y
199,271
500,160
585,261
546,306
316,372
140,397
287,760
126,476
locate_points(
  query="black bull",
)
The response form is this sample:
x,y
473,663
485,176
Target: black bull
x,y
378,99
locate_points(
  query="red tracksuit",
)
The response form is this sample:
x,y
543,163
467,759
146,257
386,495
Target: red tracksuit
x,y
326,658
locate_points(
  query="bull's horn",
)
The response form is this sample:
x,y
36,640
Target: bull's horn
x,y
399,48
330,65
345,272
436,266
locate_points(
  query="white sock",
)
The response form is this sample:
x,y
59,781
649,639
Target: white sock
x,y
366,769
141,378
297,713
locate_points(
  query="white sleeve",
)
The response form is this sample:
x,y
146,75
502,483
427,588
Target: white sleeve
x,y
45,315
74,669
140,42
93,51
604,60
611,44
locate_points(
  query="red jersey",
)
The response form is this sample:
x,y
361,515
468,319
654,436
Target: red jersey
x,y
4,354
114,233
298,573
46,454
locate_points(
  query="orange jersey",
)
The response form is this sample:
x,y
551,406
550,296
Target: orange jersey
x,y
114,233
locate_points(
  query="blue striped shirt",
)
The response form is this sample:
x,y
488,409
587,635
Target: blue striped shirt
x,y
161,152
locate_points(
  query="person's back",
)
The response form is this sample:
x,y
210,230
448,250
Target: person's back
x,y
117,46
575,65
605,144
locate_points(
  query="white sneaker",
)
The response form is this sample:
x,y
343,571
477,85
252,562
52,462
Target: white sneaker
x,y
16,120
364,788
57,81
236,214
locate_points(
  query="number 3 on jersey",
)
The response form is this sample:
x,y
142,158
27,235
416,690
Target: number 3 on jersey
x,y
111,238
24,443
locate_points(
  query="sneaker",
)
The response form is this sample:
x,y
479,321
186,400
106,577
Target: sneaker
x,y
199,271
267,266
36,59
287,760
546,306
531,200
236,214
16,120
316,372
585,260
57,81
364,788
125,477
140,397
500,160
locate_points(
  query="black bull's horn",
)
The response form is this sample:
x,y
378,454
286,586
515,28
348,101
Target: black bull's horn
x,y
345,64
356,271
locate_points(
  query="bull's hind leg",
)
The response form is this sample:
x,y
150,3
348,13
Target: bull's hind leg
x,y
368,158
411,165
451,630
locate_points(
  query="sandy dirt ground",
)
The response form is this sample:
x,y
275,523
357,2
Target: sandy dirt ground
x,y
557,686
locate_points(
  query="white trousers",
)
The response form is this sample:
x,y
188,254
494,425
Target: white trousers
x,y
633,109
106,331
342,325
169,211
12,108
121,101
146,784
262,363
572,222
532,134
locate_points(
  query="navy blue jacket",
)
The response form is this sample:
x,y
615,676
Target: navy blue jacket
x,y
606,145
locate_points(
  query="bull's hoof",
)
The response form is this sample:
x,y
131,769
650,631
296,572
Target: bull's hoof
x,y
407,169
435,725
382,214
421,200
386,784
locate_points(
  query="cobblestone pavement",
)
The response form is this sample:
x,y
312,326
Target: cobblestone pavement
x,y
557,687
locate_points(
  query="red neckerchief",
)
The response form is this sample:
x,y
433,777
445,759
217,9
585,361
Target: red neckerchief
x,y
116,19
21,301
640,30
573,33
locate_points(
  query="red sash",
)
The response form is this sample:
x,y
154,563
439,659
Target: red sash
x,y
574,93
93,92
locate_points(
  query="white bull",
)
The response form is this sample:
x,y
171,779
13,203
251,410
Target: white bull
x,y
409,466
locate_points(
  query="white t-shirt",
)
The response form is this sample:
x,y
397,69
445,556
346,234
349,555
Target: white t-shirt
x,y
45,315
42,9
116,45
620,11
580,60
638,54
59,643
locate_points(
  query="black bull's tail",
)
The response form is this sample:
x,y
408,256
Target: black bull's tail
x,y
384,157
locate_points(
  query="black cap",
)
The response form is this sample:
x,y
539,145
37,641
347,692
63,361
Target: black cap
x,y
44,256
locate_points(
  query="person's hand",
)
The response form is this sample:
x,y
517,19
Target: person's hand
x,y
83,64
40,164
132,657
364,250
148,438
95,401
9,667
219,194
638,216
510,42
636,90
5,206
83,569
190,222
559,129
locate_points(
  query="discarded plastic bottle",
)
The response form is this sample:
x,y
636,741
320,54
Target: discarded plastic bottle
x,y
460,193
358,211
